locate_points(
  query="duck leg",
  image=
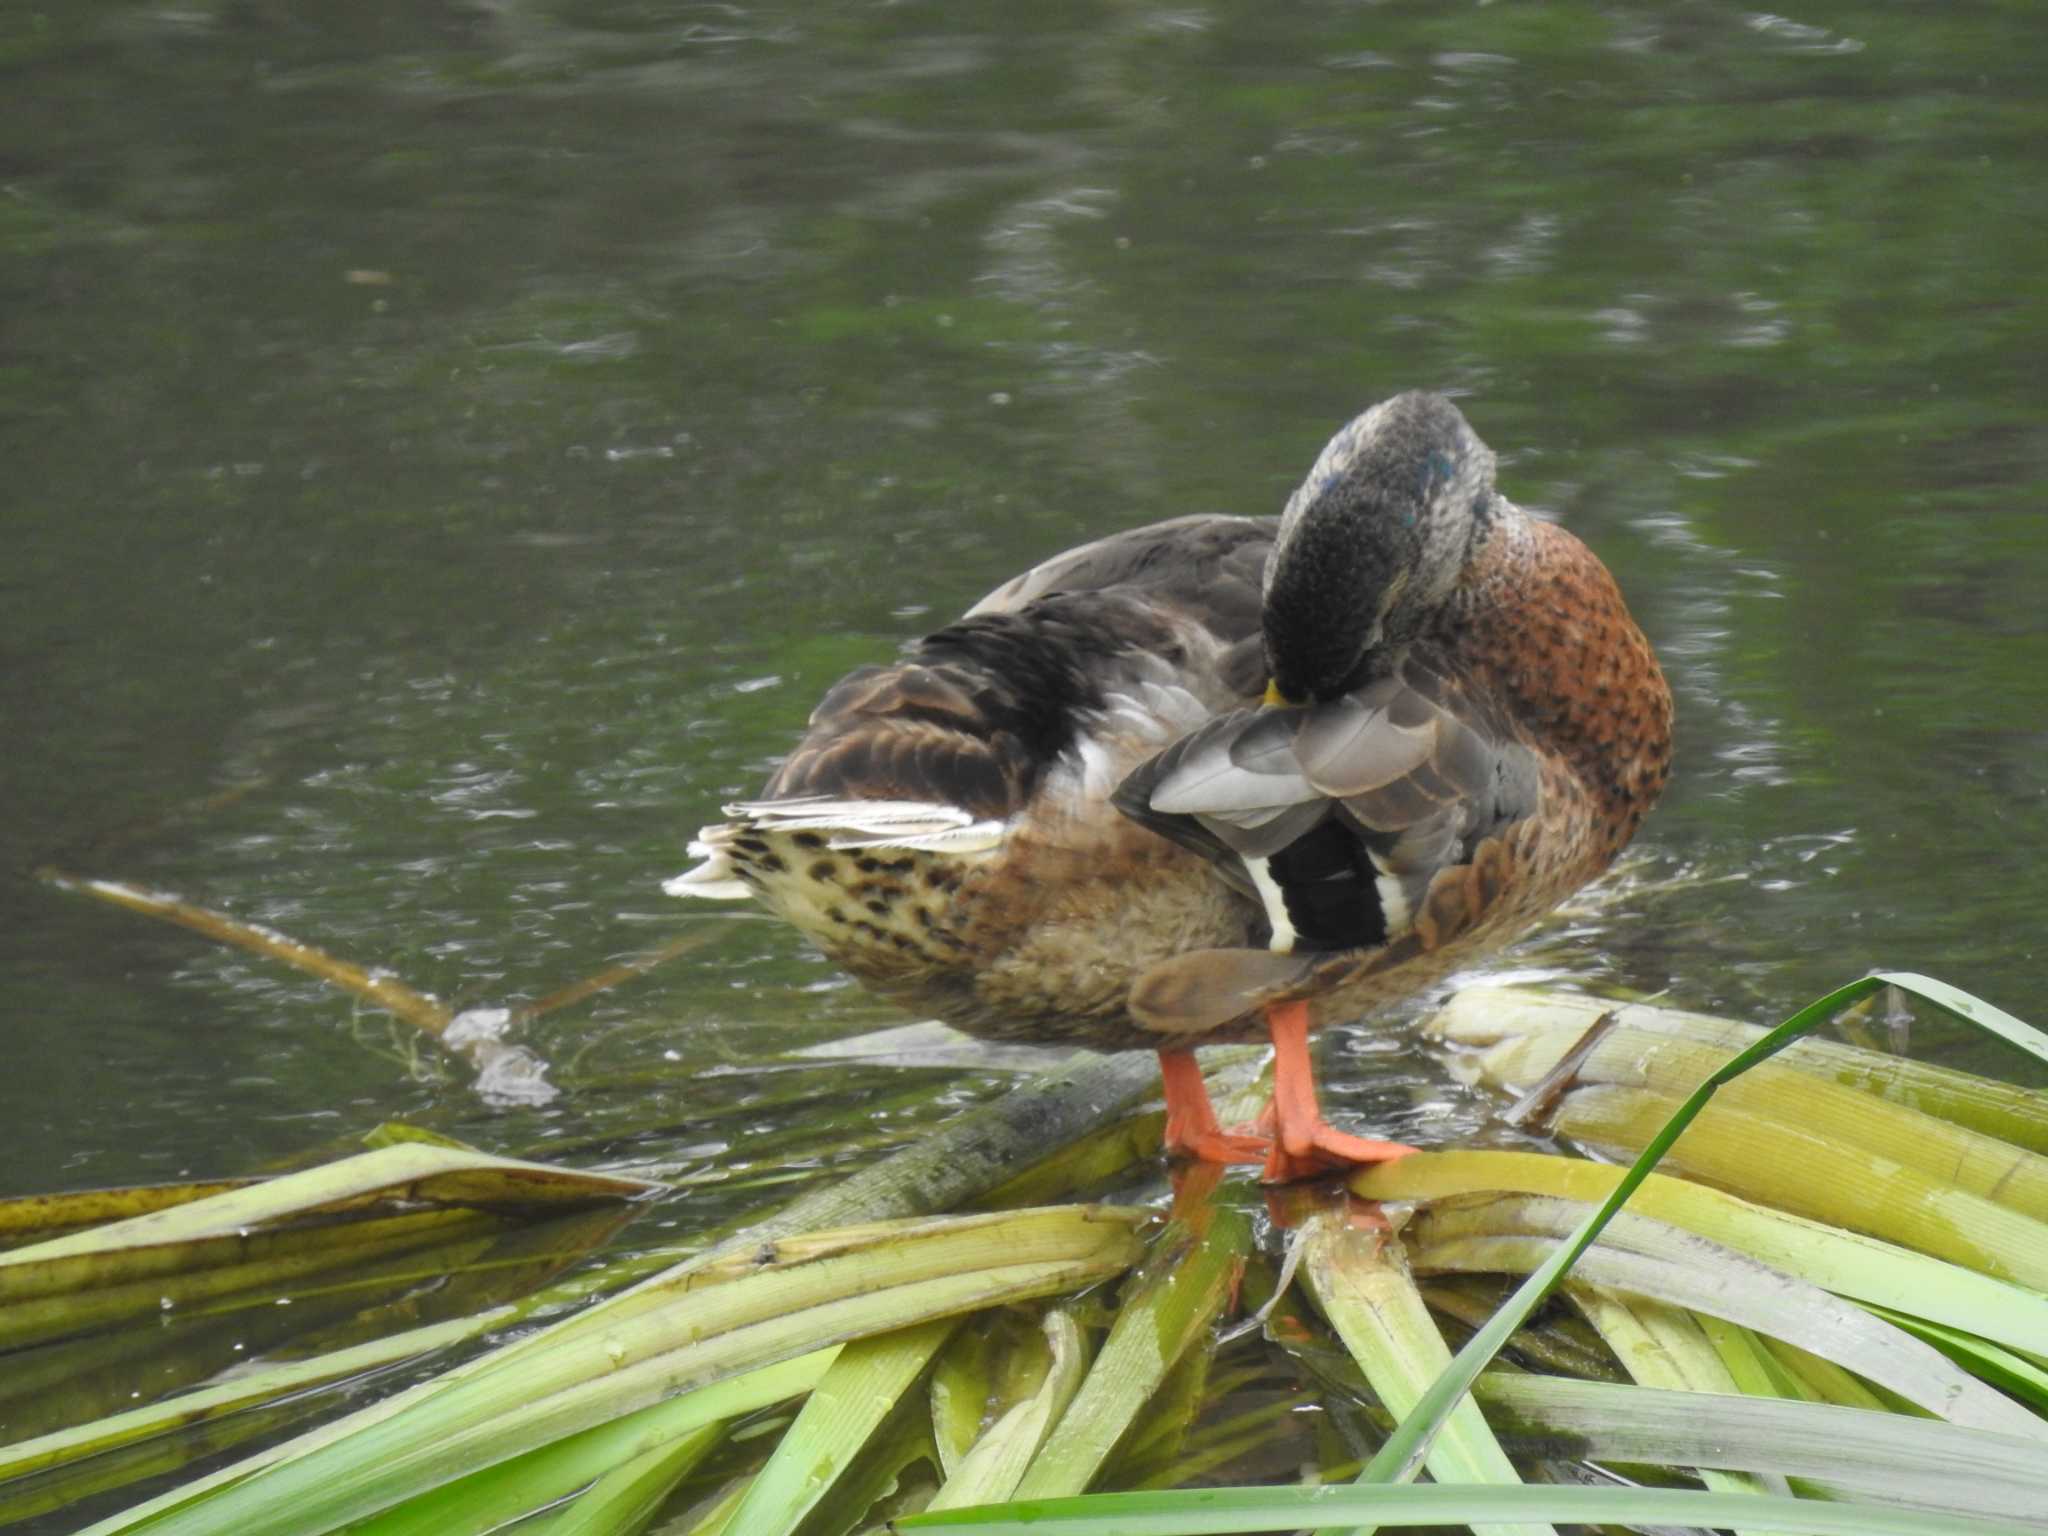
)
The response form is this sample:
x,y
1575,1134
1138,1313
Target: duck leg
x,y
1191,1126
1304,1143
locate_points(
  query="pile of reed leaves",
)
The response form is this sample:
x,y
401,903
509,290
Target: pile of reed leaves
x,y
1829,1316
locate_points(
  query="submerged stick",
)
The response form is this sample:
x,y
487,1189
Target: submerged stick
x,y
505,1073
613,975
386,992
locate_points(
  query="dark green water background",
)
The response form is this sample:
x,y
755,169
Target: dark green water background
x,y
487,428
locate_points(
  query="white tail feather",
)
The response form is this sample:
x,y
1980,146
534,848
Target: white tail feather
x,y
848,825
713,880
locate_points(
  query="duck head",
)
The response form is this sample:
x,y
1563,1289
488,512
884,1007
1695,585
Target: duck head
x,y
1372,543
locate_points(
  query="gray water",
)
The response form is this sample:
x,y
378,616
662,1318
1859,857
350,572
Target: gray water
x,y
471,437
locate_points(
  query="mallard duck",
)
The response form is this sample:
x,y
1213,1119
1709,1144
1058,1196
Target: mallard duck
x,y
1225,775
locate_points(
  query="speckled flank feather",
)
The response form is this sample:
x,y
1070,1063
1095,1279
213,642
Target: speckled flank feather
x,y
1067,816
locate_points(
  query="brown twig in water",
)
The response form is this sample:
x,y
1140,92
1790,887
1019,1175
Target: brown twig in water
x,y
505,1073
1532,1111
387,992
612,975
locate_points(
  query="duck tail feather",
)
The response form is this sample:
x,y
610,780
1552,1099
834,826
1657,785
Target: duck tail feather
x,y
929,826
716,879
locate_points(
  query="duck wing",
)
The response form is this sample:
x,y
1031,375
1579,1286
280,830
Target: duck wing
x,y
1342,817
1103,652
1210,568
976,714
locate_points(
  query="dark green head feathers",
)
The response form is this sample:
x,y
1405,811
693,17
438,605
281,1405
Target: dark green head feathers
x,y
1371,544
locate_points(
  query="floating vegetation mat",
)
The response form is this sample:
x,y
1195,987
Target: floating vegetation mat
x,y
1824,1313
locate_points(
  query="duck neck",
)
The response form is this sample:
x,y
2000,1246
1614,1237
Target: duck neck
x,y
1544,624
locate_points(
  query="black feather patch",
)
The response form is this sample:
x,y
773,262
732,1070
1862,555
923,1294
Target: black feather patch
x,y
1330,886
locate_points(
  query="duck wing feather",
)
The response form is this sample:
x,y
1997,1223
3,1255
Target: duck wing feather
x,y
1210,567
976,714
1355,806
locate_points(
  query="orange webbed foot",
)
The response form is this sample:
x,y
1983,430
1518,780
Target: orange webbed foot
x,y
1192,1130
1220,1146
1325,1149
1305,1145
